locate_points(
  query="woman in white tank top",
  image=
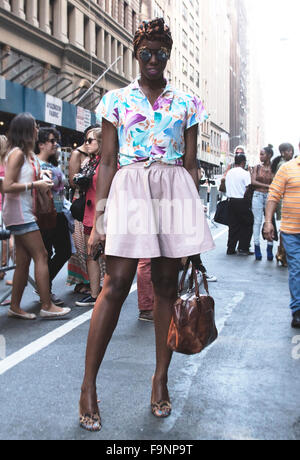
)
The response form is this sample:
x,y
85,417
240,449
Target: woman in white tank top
x,y
18,216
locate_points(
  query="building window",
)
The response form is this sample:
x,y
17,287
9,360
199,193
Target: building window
x,y
184,38
99,44
70,31
134,27
184,11
51,16
113,9
192,24
125,16
191,73
184,65
120,11
192,48
86,33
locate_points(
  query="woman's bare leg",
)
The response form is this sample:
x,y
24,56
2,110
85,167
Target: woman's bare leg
x,y
20,277
33,244
165,282
117,282
93,269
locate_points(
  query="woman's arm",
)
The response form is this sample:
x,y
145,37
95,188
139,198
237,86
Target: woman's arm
x,y
190,157
268,228
12,172
74,166
107,170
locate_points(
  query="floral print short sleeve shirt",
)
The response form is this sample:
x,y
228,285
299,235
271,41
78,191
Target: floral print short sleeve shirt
x,y
151,133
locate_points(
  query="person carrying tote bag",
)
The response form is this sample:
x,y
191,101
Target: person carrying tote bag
x,y
221,215
192,326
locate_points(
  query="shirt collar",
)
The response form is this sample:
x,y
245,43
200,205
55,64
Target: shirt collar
x,y
168,88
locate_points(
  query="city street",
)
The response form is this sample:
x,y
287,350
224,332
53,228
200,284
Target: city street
x,y
245,386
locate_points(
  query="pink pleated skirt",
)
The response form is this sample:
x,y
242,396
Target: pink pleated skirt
x,y
154,212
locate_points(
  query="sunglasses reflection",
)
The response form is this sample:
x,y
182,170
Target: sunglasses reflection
x,y
162,54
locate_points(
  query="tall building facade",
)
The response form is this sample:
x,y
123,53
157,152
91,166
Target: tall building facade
x,y
200,65
215,82
256,112
255,123
54,50
238,73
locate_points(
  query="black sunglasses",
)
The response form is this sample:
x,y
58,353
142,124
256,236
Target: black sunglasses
x,y
145,54
89,140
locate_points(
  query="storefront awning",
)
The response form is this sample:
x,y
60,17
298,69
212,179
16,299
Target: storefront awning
x,y
44,107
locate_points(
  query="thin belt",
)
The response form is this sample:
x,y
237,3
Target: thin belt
x,y
147,163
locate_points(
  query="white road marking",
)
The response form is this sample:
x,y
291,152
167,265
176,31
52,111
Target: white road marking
x,y
225,230
41,343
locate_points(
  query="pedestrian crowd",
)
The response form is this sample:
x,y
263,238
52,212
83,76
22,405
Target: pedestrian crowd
x,y
255,196
128,162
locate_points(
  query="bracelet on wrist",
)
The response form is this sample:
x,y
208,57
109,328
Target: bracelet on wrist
x,y
268,222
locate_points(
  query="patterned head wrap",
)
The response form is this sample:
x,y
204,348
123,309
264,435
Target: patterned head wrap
x,y
156,29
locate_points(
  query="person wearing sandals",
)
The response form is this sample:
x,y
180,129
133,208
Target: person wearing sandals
x,y
95,268
149,129
77,268
20,186
261,179
57,240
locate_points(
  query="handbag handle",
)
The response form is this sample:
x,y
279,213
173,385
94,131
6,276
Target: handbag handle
x,y
194,277
182,280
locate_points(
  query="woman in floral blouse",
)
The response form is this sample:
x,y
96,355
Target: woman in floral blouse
x,y
148,205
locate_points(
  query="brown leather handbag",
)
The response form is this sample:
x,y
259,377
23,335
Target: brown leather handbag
x,y
45,211
192,326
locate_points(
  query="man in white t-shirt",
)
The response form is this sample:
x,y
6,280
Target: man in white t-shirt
x,y
240,215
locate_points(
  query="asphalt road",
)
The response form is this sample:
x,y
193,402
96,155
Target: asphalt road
x,y
245,386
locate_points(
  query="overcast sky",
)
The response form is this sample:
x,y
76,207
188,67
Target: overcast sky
x,y
275,26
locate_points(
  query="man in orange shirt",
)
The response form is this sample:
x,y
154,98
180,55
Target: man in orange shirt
x,y
286,184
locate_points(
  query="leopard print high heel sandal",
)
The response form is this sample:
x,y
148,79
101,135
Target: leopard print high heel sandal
x,y
161,409
90,422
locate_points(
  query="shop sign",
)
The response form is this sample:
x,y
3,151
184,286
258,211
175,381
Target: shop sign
x,y
83,119
53,110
